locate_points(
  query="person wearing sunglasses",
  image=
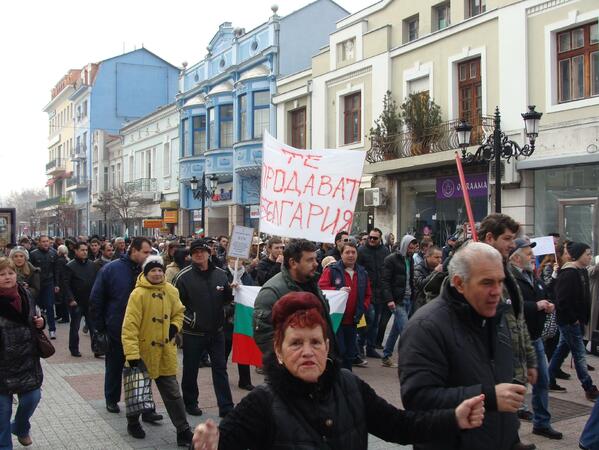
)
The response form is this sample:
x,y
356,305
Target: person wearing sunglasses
x,y
341,239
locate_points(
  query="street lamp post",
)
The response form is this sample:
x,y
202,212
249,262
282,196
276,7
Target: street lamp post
x,y
203,192
498,146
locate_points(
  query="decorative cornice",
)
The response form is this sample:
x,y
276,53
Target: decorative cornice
x,y
545,6
349,76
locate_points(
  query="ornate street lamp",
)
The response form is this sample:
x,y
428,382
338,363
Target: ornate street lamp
x,y
203,192
498,146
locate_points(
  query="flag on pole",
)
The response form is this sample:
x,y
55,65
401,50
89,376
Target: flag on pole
x,y
245,350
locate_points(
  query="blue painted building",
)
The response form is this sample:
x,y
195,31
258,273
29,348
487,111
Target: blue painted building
x,y
108,95
225,103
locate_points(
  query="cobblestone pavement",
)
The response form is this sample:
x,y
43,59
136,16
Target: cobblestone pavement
x,y
72,412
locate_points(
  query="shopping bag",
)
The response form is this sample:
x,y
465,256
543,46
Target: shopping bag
x,y
138,389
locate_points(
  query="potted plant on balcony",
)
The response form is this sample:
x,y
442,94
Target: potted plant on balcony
x,y
383,136
422,118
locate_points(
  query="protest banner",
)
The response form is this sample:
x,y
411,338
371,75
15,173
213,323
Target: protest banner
x,y
544,246
241,241
308,193
245,350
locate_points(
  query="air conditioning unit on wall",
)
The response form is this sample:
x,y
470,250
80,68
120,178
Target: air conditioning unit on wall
x,y
374,197
509,174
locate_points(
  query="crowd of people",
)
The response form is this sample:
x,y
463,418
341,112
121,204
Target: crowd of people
x,y
476,322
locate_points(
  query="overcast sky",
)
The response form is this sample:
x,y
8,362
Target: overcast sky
x,y
42,40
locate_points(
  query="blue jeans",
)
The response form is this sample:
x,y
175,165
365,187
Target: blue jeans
x,y
367,336
20,425
346,339
540,390
46,301
400,318
570,338
590,435
193,348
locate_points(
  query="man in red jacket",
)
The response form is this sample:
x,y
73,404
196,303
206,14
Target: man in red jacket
x,y
347,275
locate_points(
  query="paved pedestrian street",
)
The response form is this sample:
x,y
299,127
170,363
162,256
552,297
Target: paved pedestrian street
x,y
72,413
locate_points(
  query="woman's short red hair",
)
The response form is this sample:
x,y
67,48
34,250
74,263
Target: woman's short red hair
x,y
297,310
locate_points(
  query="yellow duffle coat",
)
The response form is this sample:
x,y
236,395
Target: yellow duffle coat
x,y
151,309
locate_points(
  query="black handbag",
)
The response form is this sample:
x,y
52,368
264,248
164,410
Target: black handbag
x,y
100,343
44,346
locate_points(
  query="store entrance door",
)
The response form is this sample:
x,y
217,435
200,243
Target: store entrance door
x,y
578,220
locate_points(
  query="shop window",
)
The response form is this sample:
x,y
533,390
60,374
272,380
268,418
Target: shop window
x,y
578,62
352,118
199,135
298,128
410,29
261,113
244,132
226,126
475,7
441,15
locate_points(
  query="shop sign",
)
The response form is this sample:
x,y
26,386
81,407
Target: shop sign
x,y
254,211
450,187
152,223
170,217
197,215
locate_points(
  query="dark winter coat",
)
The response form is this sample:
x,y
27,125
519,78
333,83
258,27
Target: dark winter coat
x,y
46,262
204,293
372,259
32,281
337,413
79,281
572,295
110,294
271,292
60,273
422,276
394,280
20,368
532,292
449,354
266,269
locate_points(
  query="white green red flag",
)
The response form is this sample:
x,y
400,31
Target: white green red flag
x,y
245,350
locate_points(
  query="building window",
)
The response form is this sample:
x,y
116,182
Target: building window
x,y
470,92
261,113
441,16
131,168
211,129
298,128
199,135
578,62
84,109
352,118
410,27
475,7
226,126
95,180
346,50
118,175
244,132
184,134
112,177
166,159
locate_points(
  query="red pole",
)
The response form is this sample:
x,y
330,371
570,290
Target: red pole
x,y
458,162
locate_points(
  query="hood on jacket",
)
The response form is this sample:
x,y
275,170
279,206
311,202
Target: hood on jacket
x,y
405,241
143,282
569,265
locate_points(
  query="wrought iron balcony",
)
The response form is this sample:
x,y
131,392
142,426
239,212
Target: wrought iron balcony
x,y
56,166
53,201
141,185
432,140
75,183
80,152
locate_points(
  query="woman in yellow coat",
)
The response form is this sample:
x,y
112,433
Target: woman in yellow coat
x,y
153,317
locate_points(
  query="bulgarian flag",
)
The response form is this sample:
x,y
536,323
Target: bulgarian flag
x,y
245,350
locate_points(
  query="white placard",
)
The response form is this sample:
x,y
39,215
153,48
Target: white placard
x,y
241,241
308,194
544,246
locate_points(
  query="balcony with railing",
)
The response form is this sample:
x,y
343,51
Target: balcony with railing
x,y
144,187
53,201
56,166
74,183
440,138
79,152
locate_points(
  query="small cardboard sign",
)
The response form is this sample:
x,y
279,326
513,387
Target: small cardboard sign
x,y
544,246
241,241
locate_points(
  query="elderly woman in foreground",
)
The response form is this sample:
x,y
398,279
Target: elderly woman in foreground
x,y
310,403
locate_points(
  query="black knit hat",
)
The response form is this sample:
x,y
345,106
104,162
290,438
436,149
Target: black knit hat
x,y
152,262
577,249
200,244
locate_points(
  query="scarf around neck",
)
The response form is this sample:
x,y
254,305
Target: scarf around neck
x,y
12,294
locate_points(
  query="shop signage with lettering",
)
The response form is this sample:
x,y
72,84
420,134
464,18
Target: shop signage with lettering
x,y
450,187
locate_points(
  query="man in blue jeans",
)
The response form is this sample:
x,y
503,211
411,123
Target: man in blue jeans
x,y
589,439
44,258
536,308
573,306
398,286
